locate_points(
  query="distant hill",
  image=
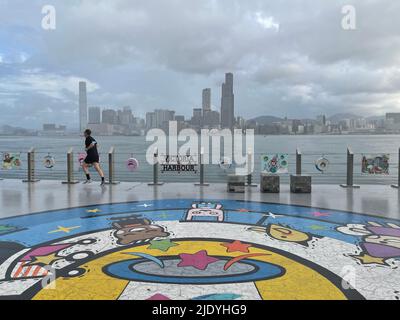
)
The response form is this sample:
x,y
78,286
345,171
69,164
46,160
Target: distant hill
x,y
266,120
374,118
341,116
263,120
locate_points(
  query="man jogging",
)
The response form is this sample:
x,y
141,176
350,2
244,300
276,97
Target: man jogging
x,y
92,157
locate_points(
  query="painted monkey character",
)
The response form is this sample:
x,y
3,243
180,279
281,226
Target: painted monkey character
x,y
135,230
203,209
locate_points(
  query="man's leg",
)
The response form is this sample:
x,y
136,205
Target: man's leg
x,y
99,171
86,170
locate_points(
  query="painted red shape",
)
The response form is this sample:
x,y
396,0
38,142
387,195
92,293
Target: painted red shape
x,y
199,260
158,297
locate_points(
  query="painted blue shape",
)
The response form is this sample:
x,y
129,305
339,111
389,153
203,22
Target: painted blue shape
x,y
34,229
125,270
147,256
218,296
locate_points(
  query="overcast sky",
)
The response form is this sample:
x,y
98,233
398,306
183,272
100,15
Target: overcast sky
x,y
290,57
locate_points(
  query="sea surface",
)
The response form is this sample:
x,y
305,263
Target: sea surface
x,y
312,147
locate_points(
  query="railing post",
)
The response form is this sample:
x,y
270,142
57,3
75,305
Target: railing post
x,y
155,170
31,166
350,171
111,167
249,169
298,162
397,186
70,168
201,166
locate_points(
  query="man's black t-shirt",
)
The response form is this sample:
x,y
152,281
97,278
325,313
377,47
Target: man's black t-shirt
x,y
92,153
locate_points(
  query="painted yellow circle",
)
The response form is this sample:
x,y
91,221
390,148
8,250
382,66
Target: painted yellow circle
x,y
298,282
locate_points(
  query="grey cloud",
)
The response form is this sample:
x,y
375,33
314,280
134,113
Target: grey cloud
x,y
151,54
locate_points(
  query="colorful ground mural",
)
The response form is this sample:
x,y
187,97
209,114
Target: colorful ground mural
x,y
199,250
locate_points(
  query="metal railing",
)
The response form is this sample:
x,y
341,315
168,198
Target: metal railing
x,y
344,169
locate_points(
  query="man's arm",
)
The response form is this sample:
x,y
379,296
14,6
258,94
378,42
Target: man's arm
x,y
91,146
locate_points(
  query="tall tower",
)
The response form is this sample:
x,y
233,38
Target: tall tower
x,y
228,103
83,112
206,102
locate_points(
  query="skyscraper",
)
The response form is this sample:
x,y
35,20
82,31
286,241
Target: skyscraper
x,y
83,112
206,101
228,103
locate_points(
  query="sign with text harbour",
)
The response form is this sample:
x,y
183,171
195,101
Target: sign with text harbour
x,y
178,163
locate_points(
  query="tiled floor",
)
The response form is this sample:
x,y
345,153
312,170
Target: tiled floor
x,y
179,241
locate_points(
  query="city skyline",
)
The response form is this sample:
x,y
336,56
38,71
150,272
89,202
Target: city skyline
x,y
285,64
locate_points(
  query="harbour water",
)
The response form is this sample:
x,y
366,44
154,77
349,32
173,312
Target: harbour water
x,y
313,147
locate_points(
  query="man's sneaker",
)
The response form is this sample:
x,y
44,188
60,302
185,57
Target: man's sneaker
x,y
102,184
87,181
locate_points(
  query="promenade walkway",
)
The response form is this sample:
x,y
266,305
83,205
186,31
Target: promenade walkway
x,y
181,241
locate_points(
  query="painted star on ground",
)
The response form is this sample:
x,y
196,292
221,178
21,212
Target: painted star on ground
x,y
158,297
273,216
320,214
145,205
317,227
367,259
162,245
5,228
93,211
45,260
199,260
163,215
236,246
64,229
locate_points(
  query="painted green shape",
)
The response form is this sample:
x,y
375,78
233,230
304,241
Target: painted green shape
x,y
5,229
162,245
317,227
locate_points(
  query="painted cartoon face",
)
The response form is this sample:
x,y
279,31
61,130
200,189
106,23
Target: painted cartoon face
x,y
287,234
354,229
138,233
384,240
206,211
137,230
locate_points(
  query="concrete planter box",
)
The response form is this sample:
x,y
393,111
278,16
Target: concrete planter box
x,y
236,183
300,184
269,183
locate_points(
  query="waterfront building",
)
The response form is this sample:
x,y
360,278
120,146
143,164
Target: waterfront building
x,y
94,115
125,116
150,120
211,119
197,118
163,117
109,116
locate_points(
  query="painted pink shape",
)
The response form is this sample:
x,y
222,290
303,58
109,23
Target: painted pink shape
x,y
199,260
44,251
158,297
320,214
